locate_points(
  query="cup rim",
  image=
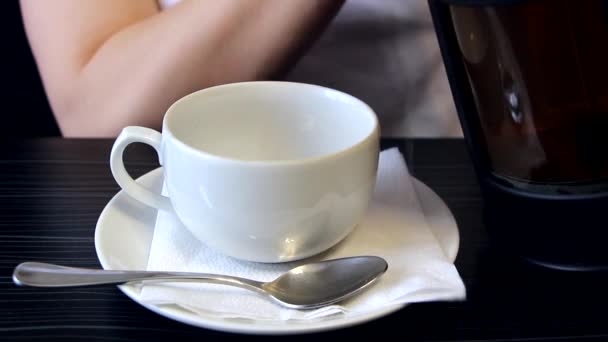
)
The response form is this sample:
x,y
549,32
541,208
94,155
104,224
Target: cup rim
x,y
374,131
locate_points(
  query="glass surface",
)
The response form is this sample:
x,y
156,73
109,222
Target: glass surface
x,y
539,76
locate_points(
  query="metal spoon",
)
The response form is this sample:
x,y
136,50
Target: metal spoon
x,y
304,287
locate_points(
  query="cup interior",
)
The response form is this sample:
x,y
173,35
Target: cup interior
x,y
270,121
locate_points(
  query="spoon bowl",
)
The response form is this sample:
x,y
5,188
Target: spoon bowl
x,y
307,286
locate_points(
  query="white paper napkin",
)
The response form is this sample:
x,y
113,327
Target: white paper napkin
x,y
394,228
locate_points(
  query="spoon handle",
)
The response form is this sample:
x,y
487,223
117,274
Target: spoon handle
x,y
49,275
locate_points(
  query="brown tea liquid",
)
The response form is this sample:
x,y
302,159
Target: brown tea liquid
x,y
539,76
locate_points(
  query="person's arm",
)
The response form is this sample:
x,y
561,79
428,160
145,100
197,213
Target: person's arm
x,y
107,64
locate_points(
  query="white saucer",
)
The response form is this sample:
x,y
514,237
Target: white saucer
x,y
123,237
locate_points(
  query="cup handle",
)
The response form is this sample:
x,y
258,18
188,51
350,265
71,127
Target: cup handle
x,y
130,135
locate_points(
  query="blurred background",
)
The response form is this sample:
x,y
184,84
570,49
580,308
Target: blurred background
x,y
25,109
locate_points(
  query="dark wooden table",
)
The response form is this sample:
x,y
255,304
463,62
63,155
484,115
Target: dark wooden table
x,y
52,191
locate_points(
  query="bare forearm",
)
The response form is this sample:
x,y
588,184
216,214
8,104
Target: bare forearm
x,y
140,70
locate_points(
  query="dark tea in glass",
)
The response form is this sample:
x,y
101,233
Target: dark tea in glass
x,y
539,76
530,83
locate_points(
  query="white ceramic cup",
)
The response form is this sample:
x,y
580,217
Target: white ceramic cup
x,y
262,171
